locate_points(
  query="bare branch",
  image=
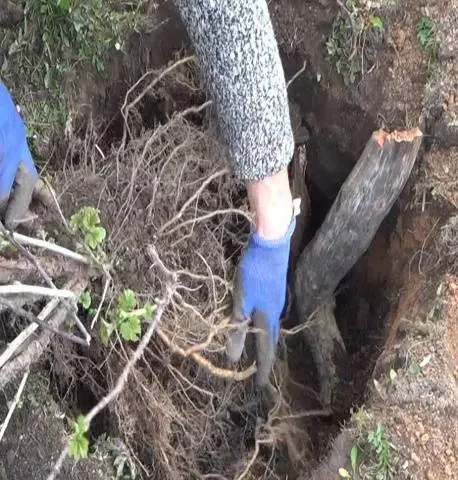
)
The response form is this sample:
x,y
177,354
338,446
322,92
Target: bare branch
x,y
52,247
122,380
13,406
37,290
25,334
22,360
33,319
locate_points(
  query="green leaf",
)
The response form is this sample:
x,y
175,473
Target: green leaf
x,y
95,237
415,369
127,300
85,219
377,22
64,4
85,300
149,309
393,375
130,329
80,425
78,446
106,330
354,457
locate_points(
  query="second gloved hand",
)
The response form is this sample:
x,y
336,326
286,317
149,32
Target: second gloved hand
x,y
18,175
260,294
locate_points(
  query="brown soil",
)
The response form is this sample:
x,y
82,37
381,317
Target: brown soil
x,y
442,167
421,411
36,436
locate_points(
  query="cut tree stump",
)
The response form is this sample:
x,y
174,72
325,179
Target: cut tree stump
x,y
364,200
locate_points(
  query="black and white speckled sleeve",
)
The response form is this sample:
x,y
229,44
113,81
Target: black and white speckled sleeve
x,y
236,45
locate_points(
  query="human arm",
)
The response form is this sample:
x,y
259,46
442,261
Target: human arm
x,y
242,71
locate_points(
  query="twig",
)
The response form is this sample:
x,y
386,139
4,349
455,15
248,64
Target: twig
x,y
52,247
325,412
225,211
13,406
42,272
238,376
27,254
36,290
126,107
25,334
122,380
253,458
193,197
23,359
104,295
59,210
33,319
291,80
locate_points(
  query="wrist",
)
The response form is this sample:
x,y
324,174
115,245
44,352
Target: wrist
x,y
272,205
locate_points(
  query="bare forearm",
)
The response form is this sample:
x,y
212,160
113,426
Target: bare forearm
x,y
271,203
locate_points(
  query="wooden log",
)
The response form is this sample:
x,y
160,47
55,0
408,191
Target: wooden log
x,y
363,202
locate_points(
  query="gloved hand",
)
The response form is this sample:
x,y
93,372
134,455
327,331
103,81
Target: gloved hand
x,y
16,164
260,293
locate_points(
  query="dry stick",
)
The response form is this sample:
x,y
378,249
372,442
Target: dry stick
x,y
238,376
24,358
253,458
33,319
179,214
42,272
13,406
52,247
36,290
137,354
25,334
224,211
296,75
125,108
102,301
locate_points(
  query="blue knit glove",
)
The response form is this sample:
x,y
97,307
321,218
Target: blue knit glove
x,y
260,294
16,164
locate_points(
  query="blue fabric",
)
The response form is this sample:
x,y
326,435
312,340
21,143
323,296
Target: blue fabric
x,y
263,275
13,143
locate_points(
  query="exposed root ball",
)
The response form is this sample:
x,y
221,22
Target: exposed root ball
x,y
186,412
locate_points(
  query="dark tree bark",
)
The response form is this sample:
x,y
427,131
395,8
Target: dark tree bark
x,y
363,202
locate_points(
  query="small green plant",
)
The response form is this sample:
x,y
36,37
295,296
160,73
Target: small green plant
x,y
127,318
355,32
426,35
59,40
87,222
85,300
78,443
371,454
381,449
